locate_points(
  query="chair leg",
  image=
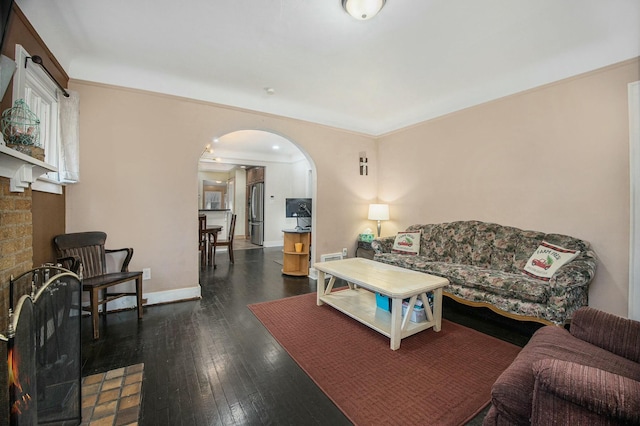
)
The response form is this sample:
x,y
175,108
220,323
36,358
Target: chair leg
x,y
139,295
93,301
104,305
230,252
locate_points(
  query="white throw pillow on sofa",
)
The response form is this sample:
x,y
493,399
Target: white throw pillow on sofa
x,y
407,243
547,259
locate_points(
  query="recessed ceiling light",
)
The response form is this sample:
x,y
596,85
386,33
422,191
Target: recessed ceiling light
x,y
269,90
276,147
216,140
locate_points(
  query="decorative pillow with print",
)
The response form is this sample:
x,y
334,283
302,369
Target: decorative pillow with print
x,y
407,243
547,259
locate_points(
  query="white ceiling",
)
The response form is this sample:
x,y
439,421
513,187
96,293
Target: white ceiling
x,y
416,60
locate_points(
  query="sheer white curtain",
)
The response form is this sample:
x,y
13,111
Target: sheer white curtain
x,y
69,167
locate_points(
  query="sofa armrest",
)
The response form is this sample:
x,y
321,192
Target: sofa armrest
x,y
570,393
383,245
610,332
576,273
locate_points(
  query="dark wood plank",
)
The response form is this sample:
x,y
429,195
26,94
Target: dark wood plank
x,y
211,361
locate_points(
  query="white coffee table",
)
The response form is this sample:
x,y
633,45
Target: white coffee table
x,y
367,277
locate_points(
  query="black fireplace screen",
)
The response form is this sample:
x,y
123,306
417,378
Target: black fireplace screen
x,y
49,333
21,361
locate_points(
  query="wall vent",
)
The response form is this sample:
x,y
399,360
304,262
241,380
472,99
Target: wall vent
x,y
330,256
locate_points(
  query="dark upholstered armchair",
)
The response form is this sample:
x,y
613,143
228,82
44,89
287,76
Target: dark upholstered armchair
x,y
589,375
84,253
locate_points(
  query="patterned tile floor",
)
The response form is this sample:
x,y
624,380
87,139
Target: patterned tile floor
x,y
112,398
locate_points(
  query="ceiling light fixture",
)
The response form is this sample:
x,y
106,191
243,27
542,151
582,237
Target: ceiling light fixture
x,y
207,149
363,9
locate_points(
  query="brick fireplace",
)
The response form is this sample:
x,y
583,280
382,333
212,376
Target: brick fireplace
x,y
16,236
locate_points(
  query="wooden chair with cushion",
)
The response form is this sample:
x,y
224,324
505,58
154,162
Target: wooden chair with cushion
x,y
224,243
85,254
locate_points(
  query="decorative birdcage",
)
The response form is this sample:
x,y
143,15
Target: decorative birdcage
x,y
21,130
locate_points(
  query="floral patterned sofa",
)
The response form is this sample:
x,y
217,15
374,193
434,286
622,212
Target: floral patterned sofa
x,y
484,263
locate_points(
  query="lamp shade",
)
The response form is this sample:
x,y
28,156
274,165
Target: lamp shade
x,y
363,9
378,211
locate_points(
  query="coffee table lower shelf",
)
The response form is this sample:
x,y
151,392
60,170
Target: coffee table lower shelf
x,y
360,304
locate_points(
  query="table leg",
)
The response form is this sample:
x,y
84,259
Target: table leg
x,y
321,288
396,323
437,308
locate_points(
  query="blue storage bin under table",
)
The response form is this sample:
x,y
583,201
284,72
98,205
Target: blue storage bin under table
x,y
383,302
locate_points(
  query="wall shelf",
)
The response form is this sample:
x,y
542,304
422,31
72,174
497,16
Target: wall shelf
x,y
21,169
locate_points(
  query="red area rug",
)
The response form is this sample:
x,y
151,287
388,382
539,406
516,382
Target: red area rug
x,y
434,378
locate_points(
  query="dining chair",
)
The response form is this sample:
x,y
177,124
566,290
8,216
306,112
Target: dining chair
x,y
224,243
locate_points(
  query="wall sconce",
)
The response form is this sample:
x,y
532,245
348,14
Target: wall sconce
x,y
379,212
364,164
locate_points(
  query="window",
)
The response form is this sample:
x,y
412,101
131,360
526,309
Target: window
x,y
32,84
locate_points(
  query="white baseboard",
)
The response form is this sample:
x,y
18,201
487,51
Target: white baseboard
x,y
276,243
313,274
156,298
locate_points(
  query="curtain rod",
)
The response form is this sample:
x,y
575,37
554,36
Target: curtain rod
x,y
38,60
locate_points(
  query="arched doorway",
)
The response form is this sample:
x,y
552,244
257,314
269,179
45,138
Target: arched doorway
x,y
236,161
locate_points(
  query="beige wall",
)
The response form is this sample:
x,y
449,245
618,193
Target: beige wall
x,y
139,161
553,159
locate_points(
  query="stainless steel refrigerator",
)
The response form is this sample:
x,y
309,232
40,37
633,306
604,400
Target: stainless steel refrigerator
x,y
256,213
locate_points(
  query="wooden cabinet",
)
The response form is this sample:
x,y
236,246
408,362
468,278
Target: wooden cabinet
x,y
296,262
255,175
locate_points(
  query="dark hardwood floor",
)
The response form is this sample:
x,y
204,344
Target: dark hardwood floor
x,y
211,362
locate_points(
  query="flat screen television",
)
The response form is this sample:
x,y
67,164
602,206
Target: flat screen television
x,y
298,207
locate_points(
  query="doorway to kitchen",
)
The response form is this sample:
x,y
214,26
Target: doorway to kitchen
x,y
256,172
